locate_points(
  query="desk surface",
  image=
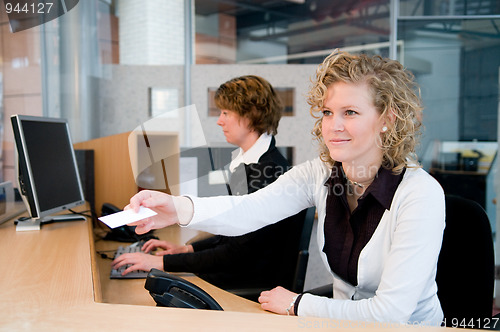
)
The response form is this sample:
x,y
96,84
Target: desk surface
x,y
48,284
131,291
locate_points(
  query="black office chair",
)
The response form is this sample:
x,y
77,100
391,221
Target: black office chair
x,y
466,265
302,260
303,255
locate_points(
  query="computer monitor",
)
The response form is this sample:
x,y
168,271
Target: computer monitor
x,y
48,175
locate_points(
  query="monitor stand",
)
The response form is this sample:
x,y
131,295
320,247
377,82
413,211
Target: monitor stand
x,y
30,224
27,224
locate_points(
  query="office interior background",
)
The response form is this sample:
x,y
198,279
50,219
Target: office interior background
x,y
110,65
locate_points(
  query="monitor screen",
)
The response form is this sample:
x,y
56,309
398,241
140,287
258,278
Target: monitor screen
x,y
48,173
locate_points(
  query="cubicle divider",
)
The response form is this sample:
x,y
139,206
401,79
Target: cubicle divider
x,y
114,169
114,181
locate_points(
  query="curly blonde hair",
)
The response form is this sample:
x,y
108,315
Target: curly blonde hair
x,y
254,98
393,90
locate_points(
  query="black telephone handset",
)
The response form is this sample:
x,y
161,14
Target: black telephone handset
x,y
169,290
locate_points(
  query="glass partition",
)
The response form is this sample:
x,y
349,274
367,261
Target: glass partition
x,y
287,32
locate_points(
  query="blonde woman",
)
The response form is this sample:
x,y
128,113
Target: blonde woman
x,y
381,216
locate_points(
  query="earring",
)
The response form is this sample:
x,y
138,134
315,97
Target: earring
x,y
384,129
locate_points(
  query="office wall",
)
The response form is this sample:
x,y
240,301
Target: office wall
x,y
123,100
123,96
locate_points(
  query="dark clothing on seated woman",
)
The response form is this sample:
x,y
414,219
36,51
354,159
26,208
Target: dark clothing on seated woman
x,y
265,258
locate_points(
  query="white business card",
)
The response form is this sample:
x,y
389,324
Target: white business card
x,y
126,217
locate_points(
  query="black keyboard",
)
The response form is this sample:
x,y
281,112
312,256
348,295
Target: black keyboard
x,y
117,273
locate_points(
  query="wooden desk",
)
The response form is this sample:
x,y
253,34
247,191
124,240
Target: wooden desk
x,y
131,291
48,284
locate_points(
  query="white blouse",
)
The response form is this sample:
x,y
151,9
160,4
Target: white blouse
x,y
396,268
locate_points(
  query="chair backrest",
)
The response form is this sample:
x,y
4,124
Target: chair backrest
x,y
466,265
303,255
